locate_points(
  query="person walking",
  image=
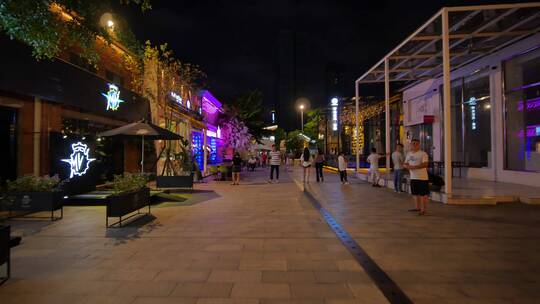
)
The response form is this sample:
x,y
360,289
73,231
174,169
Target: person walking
x,y
342,167
306,163
236,168
252,163
263,159
417,162
275,161
397,159
373,160
319,163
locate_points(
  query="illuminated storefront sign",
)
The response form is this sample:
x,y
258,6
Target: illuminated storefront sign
x,y
216,134
472,107
113,97
177,98
334,103
79,160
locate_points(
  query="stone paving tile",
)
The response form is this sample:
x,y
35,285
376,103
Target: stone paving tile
x,y
311,265
261,290
342,277
452,248
288,276
250,244
182,276
227,301
203,290
368,293
235,276
261,264
164,300
150,289
291,301
320,291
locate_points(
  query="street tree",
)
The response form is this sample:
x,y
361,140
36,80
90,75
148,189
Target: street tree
x,y
51,26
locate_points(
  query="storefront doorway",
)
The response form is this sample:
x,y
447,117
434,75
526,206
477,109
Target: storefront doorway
x,y
424,133
8,142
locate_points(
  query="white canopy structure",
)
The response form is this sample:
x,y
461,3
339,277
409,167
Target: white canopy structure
x,y
450,39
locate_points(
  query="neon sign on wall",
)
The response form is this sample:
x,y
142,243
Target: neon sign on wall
x,y
113,97
79,160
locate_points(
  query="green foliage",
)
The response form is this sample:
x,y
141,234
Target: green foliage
x,y
42,27
248,109
294,143
280,135
30,183
128,182
183,157
311,127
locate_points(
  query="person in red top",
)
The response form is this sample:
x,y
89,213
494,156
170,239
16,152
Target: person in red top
x,y
263,159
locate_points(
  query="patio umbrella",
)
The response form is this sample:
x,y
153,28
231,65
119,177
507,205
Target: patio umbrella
x,y
143,130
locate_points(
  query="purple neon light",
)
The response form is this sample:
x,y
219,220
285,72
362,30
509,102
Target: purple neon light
x,y
532,131
532,104
526,86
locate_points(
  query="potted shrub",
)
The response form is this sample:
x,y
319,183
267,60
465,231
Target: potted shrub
x,y
33,194
183,170
129,195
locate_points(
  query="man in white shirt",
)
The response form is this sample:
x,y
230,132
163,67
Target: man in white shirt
x,y
275,161
417,162
397,159
342,166
373,160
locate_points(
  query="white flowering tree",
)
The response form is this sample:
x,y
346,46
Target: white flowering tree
x,y
235,134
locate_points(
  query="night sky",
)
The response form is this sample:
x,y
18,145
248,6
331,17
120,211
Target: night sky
x,y
286,49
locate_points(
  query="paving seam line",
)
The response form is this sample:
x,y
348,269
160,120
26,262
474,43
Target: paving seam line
x,y
393,293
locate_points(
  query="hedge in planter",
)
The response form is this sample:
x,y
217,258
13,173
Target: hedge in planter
x,y
130,194
31,194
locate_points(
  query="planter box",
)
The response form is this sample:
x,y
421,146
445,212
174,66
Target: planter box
x,y
5,251
126,203
175,181
31,202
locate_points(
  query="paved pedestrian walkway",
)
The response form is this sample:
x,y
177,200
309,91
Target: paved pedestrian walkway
x,y
248,244
455,254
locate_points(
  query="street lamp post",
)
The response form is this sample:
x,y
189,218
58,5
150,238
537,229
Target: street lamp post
x,y
302,117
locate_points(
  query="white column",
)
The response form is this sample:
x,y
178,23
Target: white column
x,y
387,113
446,105
357,128
37,136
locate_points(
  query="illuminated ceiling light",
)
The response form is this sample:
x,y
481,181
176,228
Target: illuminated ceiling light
x,y
79,160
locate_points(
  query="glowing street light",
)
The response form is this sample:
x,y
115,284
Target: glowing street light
x,y
302,116
110,23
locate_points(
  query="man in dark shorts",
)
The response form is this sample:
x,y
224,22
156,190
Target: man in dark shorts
x,y
417,162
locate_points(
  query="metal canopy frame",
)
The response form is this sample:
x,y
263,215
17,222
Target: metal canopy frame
x,y
450,39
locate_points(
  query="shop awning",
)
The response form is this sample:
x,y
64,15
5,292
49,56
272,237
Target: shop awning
x,y
474,32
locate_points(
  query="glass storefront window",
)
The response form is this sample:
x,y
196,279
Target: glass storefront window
x,y
471,120
522,112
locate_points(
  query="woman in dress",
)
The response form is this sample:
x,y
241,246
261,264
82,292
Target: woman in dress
x,y
236,168
306,164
